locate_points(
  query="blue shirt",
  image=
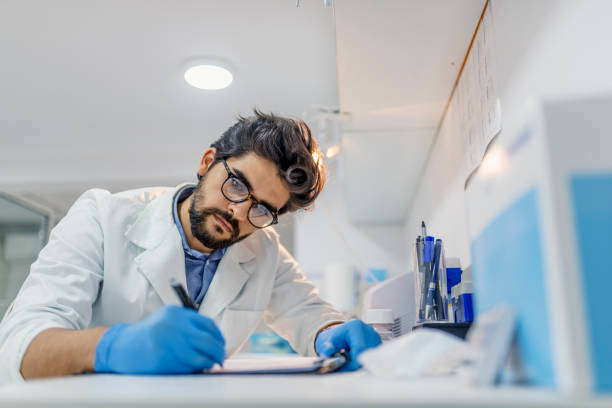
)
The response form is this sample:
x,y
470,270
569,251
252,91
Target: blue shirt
x,y
200,268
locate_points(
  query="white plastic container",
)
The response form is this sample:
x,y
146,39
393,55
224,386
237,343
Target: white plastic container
x,y
341,286
382,321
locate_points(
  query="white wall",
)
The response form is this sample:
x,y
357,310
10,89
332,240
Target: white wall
x,y
543,49
326,235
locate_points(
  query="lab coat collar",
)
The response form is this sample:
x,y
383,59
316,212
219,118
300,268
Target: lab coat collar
x,y
164,258
155,220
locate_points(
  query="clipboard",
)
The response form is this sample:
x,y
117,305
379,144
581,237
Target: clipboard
x,y
287,365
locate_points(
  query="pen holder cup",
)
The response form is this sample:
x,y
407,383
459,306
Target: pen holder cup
x,y
456,329
436,307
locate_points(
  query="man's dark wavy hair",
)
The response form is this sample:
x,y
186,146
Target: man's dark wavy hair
x,y
286,142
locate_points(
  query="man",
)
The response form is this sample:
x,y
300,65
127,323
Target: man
x,y
98,297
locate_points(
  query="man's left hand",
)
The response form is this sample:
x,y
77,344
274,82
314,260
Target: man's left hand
x,y
354,337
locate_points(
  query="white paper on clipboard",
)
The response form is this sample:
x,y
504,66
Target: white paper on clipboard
x,y
279,365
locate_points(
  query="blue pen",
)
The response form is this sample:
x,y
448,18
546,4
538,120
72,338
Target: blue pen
x,y
428,254
429,248
440,311
432,284
423,278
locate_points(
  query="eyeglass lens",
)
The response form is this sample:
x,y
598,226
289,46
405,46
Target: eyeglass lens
x,y
235,190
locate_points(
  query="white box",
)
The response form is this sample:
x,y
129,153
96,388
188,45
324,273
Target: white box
x,y
540,219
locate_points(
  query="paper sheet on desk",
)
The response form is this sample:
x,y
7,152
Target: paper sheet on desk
x,y
278,365
413,355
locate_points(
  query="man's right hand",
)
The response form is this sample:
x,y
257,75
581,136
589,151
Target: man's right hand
x,y
172,340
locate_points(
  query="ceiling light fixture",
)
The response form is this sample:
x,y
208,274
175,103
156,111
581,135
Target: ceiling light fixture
x,y
209,77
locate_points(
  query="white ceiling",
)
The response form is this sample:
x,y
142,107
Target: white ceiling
x,y
92,93
397,63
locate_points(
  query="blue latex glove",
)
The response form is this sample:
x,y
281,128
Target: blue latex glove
x,y
353,336
170,341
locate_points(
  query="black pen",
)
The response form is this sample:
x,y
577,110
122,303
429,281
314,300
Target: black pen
x,y
182,294
180,291
335,362
344,354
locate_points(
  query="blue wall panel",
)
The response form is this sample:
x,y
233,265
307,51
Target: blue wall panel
x,y
592,200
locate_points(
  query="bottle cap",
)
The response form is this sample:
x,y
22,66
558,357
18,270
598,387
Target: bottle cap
x,y
378,316
453,262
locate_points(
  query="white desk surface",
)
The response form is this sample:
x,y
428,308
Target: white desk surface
x,y
357,389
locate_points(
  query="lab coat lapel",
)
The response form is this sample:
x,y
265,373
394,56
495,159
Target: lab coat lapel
x,y
163,262
232,273
163,258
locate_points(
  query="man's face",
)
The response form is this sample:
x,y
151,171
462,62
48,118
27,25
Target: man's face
x,y
217,222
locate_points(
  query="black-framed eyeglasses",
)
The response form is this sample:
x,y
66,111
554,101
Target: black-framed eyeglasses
x,y
236,191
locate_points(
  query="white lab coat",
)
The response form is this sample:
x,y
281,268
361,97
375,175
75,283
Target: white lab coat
x,y
109,260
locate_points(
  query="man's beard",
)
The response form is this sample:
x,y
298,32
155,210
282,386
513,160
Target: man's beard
x,y
197,220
